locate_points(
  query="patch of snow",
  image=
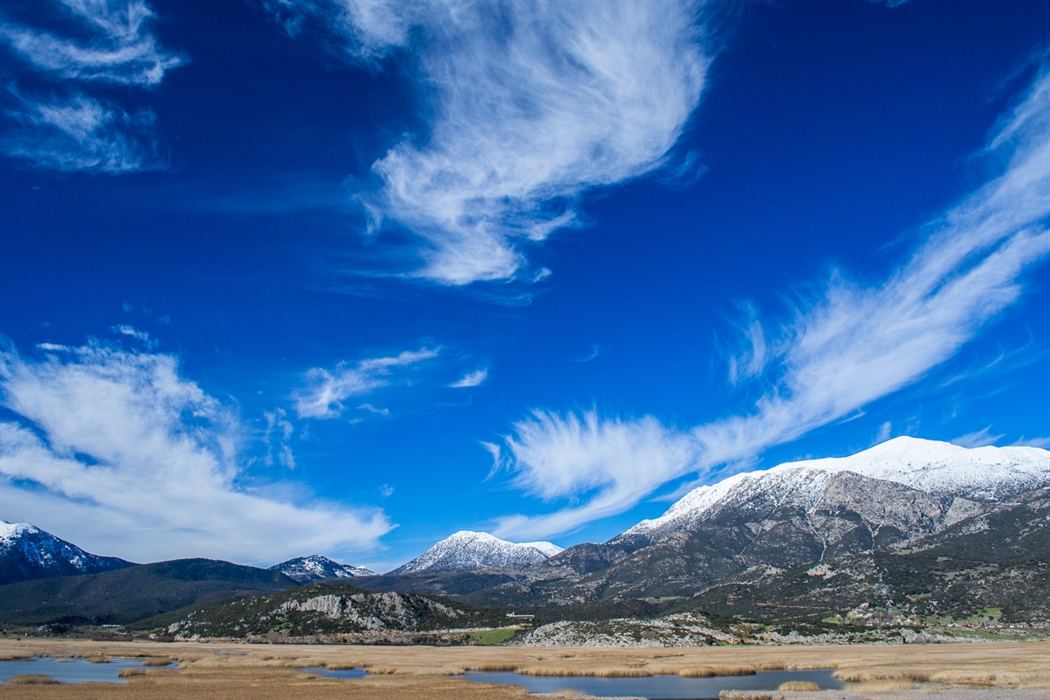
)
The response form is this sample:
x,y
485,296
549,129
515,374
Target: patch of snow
x,y
547,548
9,532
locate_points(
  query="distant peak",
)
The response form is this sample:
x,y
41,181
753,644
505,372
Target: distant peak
x,y
468,549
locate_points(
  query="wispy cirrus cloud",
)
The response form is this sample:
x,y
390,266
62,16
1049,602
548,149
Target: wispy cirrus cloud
x,y
470,379
116,46
845,345
277,435
67,129
118,449
980,438
78,133
532,103
325,391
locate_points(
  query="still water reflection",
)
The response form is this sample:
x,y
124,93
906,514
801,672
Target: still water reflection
x,y
658,686
68,670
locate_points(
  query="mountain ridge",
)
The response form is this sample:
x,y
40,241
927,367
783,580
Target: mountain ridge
x,y
316,567
467,549
28,553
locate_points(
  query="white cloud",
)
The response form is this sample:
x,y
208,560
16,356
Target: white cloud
x,y
556,456
885,432
117,452
532,103
119,49
981,438
470,379
278,442
79,133
596,351
72,131
325,391
133,332
1043,442
844,347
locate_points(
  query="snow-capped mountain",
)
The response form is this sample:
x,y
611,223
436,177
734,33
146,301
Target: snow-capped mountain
x,y
958,477
27,553
470,550
316,567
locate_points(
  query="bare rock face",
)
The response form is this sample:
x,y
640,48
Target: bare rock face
x,y
994,565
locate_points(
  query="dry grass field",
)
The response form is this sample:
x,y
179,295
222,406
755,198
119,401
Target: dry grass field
x,y
259,672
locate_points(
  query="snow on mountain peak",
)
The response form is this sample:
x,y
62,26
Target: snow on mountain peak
x,y
547,548
468,550
316,567
27,552
9,532
931,466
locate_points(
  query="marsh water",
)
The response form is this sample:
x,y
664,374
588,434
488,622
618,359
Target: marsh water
x,y
69,670
337,672
658,686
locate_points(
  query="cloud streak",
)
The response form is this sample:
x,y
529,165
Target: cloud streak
x,y
69,130
470,379
532,103
845,346
325,391
79,133
119,450
120,47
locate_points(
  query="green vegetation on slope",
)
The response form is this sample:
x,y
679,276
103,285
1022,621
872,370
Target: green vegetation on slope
x,y
127,595
322,609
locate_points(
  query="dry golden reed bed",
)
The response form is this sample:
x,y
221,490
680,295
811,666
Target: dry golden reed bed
x,y
259,672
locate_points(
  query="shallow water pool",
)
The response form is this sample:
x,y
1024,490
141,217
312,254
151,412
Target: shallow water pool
x,y
337,673
69,670
657,686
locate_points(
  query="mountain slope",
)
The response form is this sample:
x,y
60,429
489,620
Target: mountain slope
x,y
316,567
323,608
939,469
126,595
998,561
28,553
470,550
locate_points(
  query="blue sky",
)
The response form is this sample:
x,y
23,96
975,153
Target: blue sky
x,y
295,276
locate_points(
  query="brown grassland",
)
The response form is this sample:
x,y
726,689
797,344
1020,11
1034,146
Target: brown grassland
x,y
261,672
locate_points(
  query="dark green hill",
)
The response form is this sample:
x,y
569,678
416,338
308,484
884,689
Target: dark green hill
x,y
995,564
323,608
126,595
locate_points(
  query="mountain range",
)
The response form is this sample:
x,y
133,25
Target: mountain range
x,y
877,500
904,522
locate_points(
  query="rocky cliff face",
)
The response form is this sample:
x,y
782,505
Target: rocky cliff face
x,y
994,565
